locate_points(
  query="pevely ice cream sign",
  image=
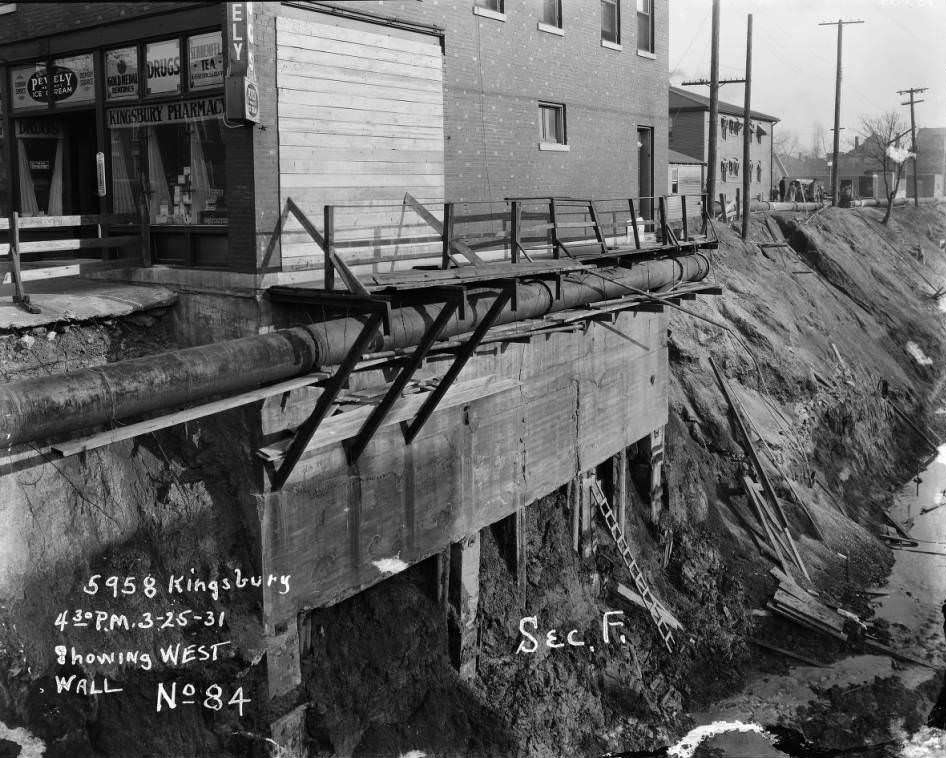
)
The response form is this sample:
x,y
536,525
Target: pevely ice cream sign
x,y
69,81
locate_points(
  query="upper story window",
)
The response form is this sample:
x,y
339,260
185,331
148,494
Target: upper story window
x,y
552,134
611,22
490,9
552,13
645,26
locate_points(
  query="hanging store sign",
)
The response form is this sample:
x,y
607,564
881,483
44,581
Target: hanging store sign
x,y
242,91
164,113
205,61
121,73
163,67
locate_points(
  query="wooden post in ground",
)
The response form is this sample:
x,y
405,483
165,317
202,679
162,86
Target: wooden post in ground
x,y
510,535
656,440
587,513
722,204
464,600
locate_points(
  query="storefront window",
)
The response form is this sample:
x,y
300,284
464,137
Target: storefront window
x,y
171,157
39,148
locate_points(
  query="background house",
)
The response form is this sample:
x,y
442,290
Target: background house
x,y
686,175
689,134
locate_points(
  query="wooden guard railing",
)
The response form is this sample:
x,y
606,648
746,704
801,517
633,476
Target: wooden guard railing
x,y
57,235
481,232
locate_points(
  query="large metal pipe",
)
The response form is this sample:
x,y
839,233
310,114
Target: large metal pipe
x,y
52,406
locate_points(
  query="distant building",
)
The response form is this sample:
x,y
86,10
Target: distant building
x,y
689,134
686,175
930,163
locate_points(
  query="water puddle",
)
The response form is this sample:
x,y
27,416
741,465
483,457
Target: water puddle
x,y
916,590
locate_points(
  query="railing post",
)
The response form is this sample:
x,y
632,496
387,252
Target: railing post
x,y
514,232
328,237
662,208
637,236
447,234
683,211
554,229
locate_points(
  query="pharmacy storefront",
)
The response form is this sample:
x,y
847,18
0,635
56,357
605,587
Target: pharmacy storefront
x,y
132,130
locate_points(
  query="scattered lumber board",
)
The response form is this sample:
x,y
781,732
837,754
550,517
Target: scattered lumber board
x,y
788,653
634,597
760,514
874,646
767,488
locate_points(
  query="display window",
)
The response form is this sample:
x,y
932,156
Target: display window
x,y
170,158
39,149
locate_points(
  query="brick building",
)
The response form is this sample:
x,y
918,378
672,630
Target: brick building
x,y
208,116
689,134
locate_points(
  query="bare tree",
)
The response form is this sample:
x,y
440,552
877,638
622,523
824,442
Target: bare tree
x,y
787,143
882,151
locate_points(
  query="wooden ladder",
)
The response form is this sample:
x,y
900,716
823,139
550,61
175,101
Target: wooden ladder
x,y
653,605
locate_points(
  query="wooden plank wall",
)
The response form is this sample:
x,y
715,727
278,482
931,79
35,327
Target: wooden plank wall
x,y
581,398
361,118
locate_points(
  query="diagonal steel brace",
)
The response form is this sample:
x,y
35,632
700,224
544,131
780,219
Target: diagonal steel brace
x,y
355,447
462,356
326,401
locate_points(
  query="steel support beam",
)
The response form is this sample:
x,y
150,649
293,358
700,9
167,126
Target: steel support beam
x,y
463,355
356,446
325,402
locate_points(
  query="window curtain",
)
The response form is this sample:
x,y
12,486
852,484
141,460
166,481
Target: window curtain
x,y
28,204
123,198
200,180
157,179
55,183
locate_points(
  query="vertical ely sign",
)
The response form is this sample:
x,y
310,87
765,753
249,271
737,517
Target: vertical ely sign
x,y
241,91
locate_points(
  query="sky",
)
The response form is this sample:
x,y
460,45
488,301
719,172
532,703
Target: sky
x,y
901,44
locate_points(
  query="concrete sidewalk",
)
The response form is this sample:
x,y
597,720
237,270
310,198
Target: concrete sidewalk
x,y
76,299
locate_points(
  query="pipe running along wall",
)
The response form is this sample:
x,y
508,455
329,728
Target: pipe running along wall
x,y
53,406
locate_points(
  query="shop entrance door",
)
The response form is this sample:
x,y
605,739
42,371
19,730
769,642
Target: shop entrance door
x,y
80,187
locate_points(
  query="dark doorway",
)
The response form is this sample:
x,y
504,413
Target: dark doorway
x,y
645,170
80,187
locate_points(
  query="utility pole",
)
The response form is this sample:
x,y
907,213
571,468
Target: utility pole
x,y
912,92
714,84
746,137
835,172
713,114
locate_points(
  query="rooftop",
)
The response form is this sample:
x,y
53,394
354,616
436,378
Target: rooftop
x,y
681,99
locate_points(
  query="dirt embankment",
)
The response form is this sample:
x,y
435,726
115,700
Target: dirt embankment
x,y
816,325
157,505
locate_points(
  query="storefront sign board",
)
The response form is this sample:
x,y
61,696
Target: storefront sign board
x,y
163,67
121,73
241,90
205,60
164,113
